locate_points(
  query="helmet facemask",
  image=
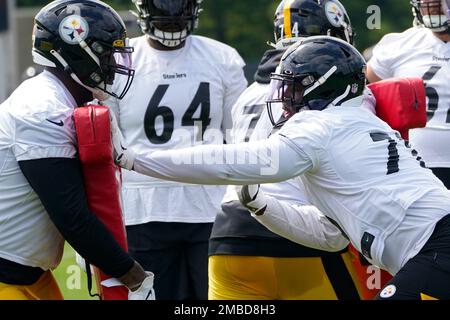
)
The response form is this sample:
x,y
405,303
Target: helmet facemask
x,y
433,14
115,67
292,92
168,22
286,91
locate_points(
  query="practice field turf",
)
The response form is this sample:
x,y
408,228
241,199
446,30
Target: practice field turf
x,y
71,278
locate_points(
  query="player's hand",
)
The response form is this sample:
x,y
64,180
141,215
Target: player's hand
x,y
123,156
145,291
252,198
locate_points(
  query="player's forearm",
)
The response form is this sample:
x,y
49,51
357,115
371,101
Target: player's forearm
x,y
245,163
162,165
303,224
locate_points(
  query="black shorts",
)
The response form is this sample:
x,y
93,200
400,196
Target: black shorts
x,y
427,275
177,253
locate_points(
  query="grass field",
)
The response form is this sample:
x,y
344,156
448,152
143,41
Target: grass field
x,y
71,278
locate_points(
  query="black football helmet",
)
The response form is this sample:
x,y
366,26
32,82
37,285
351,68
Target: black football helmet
x,y
432,14
88,40
169,22
296,19
315,73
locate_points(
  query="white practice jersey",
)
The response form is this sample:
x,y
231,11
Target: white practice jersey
x,y
35,123
356,170
363,176
178,99
418,53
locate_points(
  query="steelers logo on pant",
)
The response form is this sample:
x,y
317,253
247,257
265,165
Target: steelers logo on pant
x,y
389,291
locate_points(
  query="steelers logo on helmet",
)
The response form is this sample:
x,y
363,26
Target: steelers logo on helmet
x,y
335,13
73,29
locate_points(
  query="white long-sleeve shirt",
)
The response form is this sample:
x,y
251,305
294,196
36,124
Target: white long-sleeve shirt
x,y
303,224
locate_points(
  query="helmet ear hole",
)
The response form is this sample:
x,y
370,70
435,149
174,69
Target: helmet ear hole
x,y
98,48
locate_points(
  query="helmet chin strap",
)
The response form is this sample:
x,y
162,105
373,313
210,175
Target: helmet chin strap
x,y
97,93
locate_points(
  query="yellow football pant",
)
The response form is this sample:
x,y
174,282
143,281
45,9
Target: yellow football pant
x,y
45,288
267,278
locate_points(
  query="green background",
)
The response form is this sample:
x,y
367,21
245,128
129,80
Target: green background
x,y
247,24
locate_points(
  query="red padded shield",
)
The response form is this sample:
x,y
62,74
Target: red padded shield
x,y
102,181
401,102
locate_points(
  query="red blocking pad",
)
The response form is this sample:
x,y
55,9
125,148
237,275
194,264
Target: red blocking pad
x,y
102,181
401,102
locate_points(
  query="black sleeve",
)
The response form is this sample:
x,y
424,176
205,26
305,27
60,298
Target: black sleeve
x,y
59,184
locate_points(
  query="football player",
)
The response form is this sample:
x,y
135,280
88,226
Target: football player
x,y
184,88
356,170
42,198
246,260
423,51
